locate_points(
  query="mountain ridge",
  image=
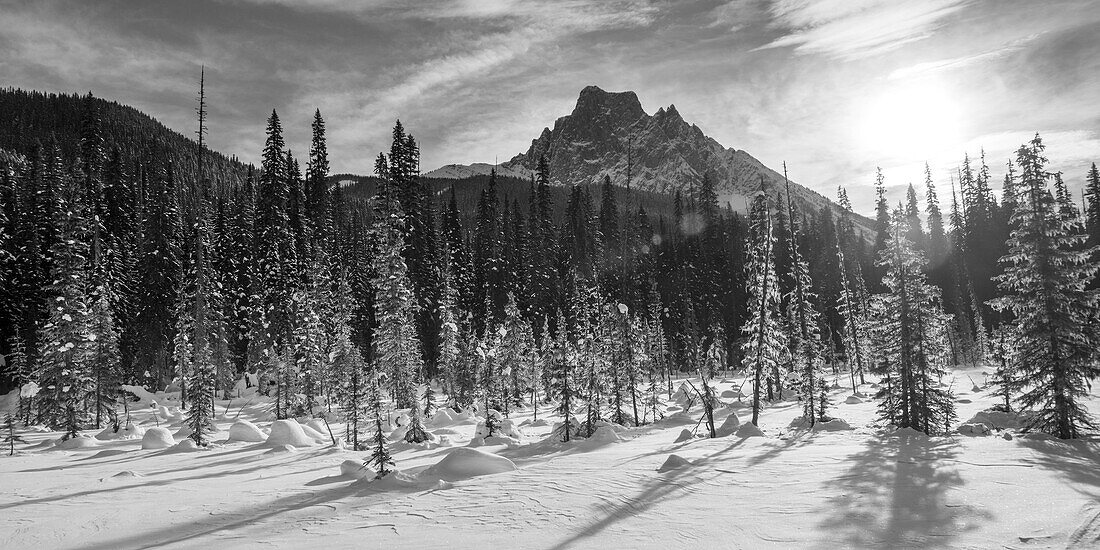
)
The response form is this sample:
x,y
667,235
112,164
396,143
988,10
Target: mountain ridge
x,y
609,134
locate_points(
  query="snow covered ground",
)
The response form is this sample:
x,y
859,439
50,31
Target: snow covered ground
x,y
860,487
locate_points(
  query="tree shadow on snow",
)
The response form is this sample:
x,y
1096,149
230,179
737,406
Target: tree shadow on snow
x,y
1075,460
255,514
894,496
662,487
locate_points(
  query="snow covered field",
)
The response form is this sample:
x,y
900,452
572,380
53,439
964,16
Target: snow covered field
x,y
861,487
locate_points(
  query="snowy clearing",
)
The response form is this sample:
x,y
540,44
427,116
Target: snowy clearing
x,y
631,488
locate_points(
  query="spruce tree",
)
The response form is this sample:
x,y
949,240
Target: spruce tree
x,y
805,338
911,339
396,345
65,371
380,458
763,329
1044,286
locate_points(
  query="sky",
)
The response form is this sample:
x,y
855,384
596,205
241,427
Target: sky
x,y
836,88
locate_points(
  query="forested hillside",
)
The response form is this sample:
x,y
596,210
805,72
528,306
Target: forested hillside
x,y
133,257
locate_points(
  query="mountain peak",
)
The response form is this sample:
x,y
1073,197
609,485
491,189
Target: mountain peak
x,y
595,101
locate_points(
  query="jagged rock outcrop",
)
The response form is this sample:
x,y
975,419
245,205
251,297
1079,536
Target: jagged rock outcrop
x,y
608,133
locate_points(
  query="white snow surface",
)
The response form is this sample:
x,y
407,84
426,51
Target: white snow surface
x,y
243,430
289,432
866,487
157,438
464,463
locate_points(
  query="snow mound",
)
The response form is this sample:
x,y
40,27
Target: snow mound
x,y
678,419
853,400
445,431
127,473
604,435
129,431
729,426
355,469
319,426
749,430
464,463
674,462
289,432
280,449
997,420
77,443
909,432
540,423
110,452
443,417
684,395
317,435
974,429
506,428
157,438
834,425
186,445
685,435
143,395
729,394
243,430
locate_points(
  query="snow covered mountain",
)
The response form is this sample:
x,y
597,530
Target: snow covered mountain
x,y
607,131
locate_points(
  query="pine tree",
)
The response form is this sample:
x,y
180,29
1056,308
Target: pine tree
x,y
562,385
763,343
158,278
937,237
65,371
317,194
910,337
1092,210
275,245
1044,286
416,432
805,337
882,223
380,457
396,345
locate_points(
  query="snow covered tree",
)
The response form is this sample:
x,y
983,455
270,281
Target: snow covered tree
x,y
10,437
562,386
1004,378
805,337
910,337
353,386
1046,272
416,432
65,372
103,355
449,334
396,345
851,310
763,329
380,457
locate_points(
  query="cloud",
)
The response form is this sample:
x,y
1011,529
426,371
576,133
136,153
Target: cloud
x,y
961,62
851,29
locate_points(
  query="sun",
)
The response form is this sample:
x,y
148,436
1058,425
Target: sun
x,y
915,121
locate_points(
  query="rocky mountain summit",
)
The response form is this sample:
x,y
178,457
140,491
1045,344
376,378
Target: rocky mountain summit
x,y
608,133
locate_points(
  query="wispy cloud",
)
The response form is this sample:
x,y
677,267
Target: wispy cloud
x,y
961,62
850,29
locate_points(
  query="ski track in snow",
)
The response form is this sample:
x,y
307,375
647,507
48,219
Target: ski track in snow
x,y
860,488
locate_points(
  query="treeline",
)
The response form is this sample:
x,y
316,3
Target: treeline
x,y
163,265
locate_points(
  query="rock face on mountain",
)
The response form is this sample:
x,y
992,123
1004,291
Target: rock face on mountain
x,y
607,132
